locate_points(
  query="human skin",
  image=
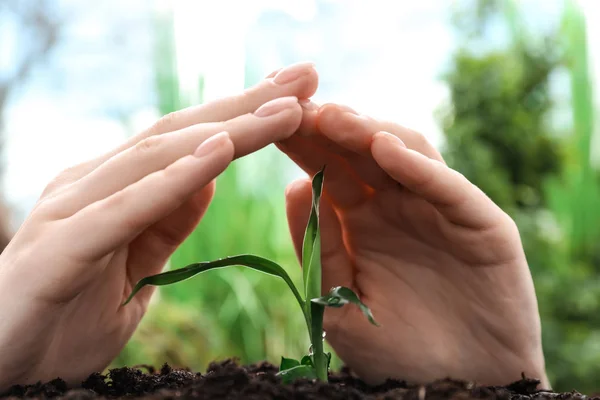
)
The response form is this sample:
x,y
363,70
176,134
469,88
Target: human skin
x,y
440,265
102,225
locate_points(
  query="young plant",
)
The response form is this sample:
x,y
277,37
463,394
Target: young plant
x,y
315,365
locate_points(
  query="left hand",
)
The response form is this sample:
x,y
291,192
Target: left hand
x,y
102,225
441,266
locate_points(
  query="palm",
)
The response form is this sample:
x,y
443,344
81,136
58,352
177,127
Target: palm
x,y
414,270
96,315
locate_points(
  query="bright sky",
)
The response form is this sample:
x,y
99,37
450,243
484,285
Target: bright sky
x,y
408,43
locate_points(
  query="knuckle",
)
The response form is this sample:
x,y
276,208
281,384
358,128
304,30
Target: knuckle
x,y
64,178
52,187
43,207
510,224
245,101
426,182
418,139
459,176
166,123
149,144
117,202
49,208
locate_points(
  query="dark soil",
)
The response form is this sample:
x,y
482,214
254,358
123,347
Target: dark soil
x,y
227,380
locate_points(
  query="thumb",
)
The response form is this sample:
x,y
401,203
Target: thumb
x,y
337,267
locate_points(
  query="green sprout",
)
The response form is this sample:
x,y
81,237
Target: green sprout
x,y
316,364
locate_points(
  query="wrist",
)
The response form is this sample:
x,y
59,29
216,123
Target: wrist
x,y
26,329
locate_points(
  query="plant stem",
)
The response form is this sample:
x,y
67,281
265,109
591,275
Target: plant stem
x,y
319,358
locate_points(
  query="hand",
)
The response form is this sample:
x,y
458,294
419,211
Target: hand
x,y
440,265
103,225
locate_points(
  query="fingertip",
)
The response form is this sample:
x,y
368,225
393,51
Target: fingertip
x,y
328,112
308,124
297,188
228,146
294,119
334,118
281,116
387,151
310,83
301,78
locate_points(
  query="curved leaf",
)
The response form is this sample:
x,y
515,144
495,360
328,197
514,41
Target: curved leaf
x,y
306,360
298,372
287,363
311,247
246,260
340,296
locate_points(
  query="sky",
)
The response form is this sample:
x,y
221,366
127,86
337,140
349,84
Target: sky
x,y
382,57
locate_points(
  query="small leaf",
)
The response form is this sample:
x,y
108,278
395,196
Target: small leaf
x,y
299,372
311,247
246,260
340,296
287,363
306,360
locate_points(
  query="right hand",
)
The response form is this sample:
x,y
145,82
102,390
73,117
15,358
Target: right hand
x,y
101,226
441,266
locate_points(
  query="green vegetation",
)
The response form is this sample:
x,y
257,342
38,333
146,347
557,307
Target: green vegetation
x,y
505,133
312,304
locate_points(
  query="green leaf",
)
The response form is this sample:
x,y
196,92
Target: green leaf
x,y
306,360
246,260
287,363
340,296
311,248
299,372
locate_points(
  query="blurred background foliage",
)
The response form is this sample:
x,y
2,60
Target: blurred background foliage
x,y
501,135
519,122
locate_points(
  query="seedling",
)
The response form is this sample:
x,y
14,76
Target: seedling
x,y
316,363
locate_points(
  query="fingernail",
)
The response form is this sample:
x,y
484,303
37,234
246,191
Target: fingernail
x,y
276,106
392,138
211,144
307,104
293,72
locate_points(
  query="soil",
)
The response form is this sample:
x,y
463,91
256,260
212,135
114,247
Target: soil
x,y
228,380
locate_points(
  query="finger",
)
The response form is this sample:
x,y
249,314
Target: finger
x,y
457,199
336,264
342,185
116,220
250,132
355,132
351,134
311,151
161,239
299,80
